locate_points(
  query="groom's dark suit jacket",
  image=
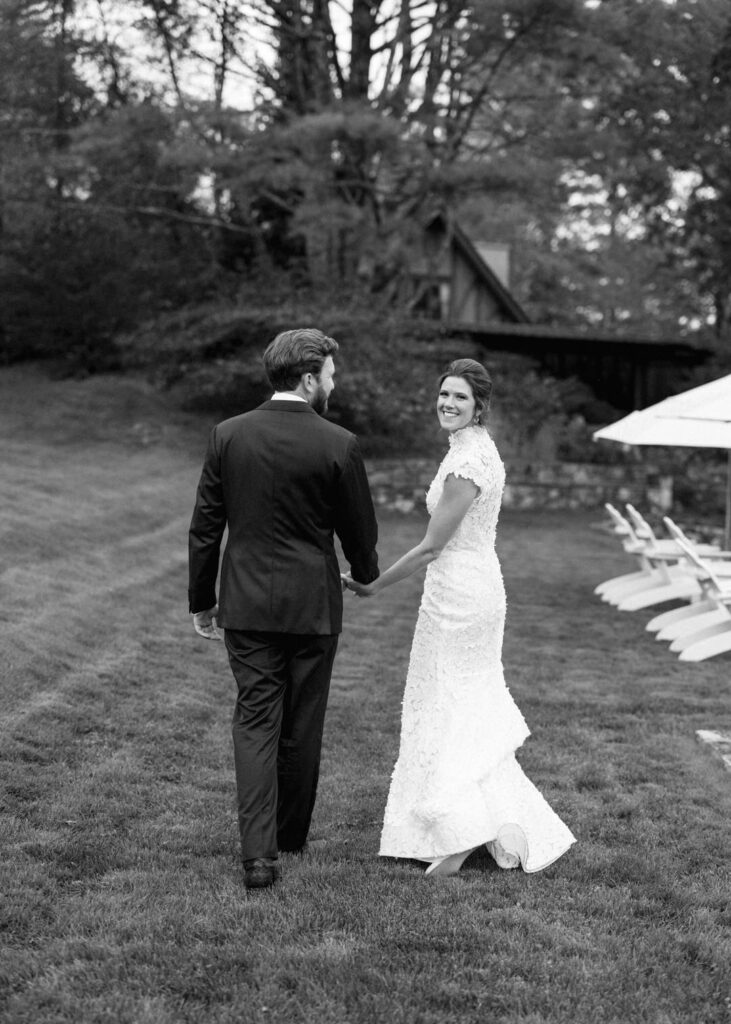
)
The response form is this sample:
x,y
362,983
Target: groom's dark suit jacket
x,y
283,479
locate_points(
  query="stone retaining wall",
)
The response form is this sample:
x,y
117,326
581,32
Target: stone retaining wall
x,y
401,484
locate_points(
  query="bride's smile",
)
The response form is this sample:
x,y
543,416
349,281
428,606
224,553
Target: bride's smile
x,y
455,404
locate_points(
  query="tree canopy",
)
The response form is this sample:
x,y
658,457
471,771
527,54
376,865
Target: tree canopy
x,y
157,153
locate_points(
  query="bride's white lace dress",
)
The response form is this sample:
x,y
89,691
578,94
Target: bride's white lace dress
x,y
456,783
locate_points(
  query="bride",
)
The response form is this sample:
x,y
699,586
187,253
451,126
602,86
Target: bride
x,y
456,784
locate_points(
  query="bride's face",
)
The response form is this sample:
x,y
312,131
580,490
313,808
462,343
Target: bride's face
x,y
455,404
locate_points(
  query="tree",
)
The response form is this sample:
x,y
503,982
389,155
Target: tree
x,y
41,100
592,136
433,102
659,161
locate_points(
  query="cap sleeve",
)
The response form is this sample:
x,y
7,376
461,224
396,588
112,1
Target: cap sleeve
x,y
467,465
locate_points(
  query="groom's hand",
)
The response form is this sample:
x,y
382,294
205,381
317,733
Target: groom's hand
x,y
360,589
204,623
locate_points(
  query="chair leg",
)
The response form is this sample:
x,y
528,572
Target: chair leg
x,y
683,643
679,614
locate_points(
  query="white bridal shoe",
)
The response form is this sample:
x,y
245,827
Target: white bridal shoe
x,y
448,865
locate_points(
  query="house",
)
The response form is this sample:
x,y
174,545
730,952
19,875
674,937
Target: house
x,y
456,282
465,284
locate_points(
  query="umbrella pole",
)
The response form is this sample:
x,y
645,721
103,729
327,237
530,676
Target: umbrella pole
x,y
727,531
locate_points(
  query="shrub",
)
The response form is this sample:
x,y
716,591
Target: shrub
x,y
209,356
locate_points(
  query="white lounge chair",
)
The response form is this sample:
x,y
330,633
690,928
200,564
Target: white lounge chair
x,y
702,610
713,637
641,525
631,544
655,559
645,532
672,580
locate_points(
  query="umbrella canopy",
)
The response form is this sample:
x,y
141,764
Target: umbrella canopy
x,y
637,428
699,418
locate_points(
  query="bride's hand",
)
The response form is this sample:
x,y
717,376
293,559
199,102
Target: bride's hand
x,y
359,589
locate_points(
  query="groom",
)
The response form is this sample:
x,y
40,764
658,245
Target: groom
x,y
283,479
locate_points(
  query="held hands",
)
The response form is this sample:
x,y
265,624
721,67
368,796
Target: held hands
x,y
204,624
359,589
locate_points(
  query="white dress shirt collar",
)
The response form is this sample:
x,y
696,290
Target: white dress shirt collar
x,y
287,396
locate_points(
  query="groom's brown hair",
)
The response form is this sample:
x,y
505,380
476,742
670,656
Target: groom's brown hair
x,y
294,353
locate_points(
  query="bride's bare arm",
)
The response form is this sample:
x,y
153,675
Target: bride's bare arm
x,y
457,496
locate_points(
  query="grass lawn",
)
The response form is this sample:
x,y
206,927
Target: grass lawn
x,y
122,897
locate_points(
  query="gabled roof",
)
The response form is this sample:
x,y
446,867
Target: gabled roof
x,y
519,333
461,241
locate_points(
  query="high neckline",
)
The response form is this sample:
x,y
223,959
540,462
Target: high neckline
x,y
465,434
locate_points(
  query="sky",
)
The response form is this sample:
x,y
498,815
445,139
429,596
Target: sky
x,y
116,23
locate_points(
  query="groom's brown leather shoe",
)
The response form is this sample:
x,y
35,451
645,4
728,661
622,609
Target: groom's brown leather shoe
x,y
261,872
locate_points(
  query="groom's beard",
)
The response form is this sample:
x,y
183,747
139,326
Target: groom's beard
x,y
319,400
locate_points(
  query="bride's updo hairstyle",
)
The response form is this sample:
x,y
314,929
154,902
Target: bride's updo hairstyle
x,y
479,381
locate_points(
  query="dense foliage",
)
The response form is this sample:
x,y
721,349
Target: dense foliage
x,y
157,154
209,359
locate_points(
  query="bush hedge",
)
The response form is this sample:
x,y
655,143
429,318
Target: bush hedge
x,y
387,370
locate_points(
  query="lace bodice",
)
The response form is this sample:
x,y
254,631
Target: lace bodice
x,y
472,454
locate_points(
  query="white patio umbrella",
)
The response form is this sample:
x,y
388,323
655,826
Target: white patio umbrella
x,y
699,418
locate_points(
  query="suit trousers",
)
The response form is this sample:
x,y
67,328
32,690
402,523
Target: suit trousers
x,y
283,682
